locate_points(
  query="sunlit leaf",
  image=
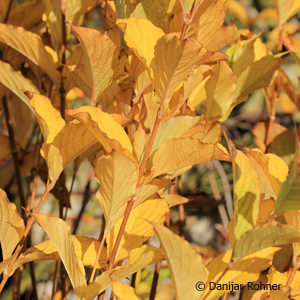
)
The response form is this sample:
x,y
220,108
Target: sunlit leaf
x,y
286,9
123,291
271,171
174,61
220,271
282,141
16,82
185,264
101,58
175,199
60,234
138,259
76,9
108,132
31,46
117,176
267,235
246,194
185,152
207,26
85,248
11,226
141,36
257,75
49,118
173,128
138,228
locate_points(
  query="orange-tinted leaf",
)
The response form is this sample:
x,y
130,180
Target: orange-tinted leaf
x,y
11,226
101,58
220,89
141,36
108,132
185,152
16,82
174,61
31,46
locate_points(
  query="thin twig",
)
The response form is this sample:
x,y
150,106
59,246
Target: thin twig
x,y
181,223
155,281
8,11
226,186
217,195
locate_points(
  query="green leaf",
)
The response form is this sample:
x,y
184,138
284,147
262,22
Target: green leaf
x,y
267,235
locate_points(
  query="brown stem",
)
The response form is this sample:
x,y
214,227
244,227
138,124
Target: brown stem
x,y
8,11
181,223
97,259
155,281
20,246
120,233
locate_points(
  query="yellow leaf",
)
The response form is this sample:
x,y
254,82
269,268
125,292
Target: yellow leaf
x,y
101,58
220,89
185,264
53,18
239,11
155,10
108,132
31,46
271,171
282,141
85,248
76,9
141,36
175,199
139,139
138,228
11,226
123,291
257,75
286,9
267,235
63,143
246,194
174,61
73,139
173,128
60,234
138,259
179,153
243,271
208,28
188,4
117,176
16,82
49,118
